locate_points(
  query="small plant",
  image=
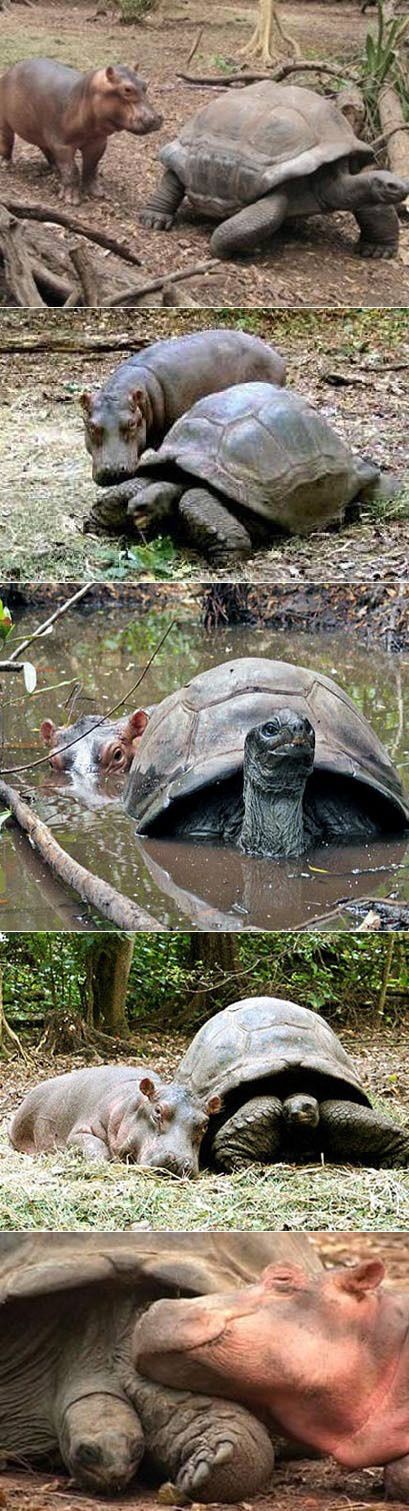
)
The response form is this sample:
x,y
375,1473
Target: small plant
x,y
131,11
381,61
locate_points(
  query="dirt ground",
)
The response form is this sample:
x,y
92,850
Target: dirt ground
x,y
313,264
300,1485
353,366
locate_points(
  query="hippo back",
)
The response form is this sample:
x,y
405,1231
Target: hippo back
x,y
197,735
267,1037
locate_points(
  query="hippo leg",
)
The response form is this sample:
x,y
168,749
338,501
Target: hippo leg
x,y
91,156
68,172
213,1450
363,1135
161,208
379,227
211,528
6,142
101,1439
396,1480
246,230
87,1144
252,1135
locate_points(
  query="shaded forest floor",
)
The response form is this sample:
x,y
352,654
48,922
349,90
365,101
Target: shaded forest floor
x,y
62,1191
348,365
301,1485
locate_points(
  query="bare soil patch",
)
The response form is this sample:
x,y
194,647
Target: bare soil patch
x,y
314,263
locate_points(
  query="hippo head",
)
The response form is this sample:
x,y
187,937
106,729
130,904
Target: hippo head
x,y
119,101
116,428
161,1127
88,749
297,1344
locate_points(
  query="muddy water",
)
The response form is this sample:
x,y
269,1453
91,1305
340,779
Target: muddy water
x,y
183,885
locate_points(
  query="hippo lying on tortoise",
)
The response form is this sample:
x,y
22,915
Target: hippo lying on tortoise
x,y
326,1356
240,466
254,158
271,1077
267,756
68,1389
146,394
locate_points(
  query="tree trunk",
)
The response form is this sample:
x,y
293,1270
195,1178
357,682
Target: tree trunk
x,y
108,965
215,960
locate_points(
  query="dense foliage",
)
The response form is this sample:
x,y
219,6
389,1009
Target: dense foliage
x,y
177,980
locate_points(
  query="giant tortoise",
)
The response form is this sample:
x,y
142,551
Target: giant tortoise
x,y
68,1390
289,1090
255,158
270,757
244,463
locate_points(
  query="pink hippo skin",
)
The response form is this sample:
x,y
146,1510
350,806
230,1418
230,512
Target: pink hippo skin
x,y
63,112
326,1356
116,1112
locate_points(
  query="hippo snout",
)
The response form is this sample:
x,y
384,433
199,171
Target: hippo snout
x,y
172,1164
147,120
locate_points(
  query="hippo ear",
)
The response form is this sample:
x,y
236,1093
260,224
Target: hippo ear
x,y
284,1277
47,731
137,723
137,400
361,1278
112,74
86,401
213,1105
147,1088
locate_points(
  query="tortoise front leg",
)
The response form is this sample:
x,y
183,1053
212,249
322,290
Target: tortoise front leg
x,y
213,1450
211,528
161,208
379,227
256,224
396,1480
252,1135
354,1133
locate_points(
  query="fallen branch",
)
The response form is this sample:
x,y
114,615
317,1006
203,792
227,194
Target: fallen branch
x,y
166,278
17,266
61,218
91,284
393,124
303,65
98,894
195,45
91,345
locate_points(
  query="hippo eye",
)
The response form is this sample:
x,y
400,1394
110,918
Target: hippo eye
x,y
96,432
117,755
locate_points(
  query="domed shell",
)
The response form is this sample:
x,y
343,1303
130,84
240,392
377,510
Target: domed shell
x,y
268,450
35,1265
245,143
267,1036
197,734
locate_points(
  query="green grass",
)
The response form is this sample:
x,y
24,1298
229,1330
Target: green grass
x,y
63,1192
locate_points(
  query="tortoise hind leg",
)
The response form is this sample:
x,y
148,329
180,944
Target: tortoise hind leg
x,y
379,227
161,208
211,528
354,1133
252,1135
246,230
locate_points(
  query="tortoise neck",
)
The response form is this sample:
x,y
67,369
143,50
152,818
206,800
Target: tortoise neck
x,y
273,823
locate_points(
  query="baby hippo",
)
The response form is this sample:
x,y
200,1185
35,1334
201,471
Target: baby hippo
x,y
88,749
63,112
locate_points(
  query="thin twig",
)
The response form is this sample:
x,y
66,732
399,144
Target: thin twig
x,y
41,630
42,760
